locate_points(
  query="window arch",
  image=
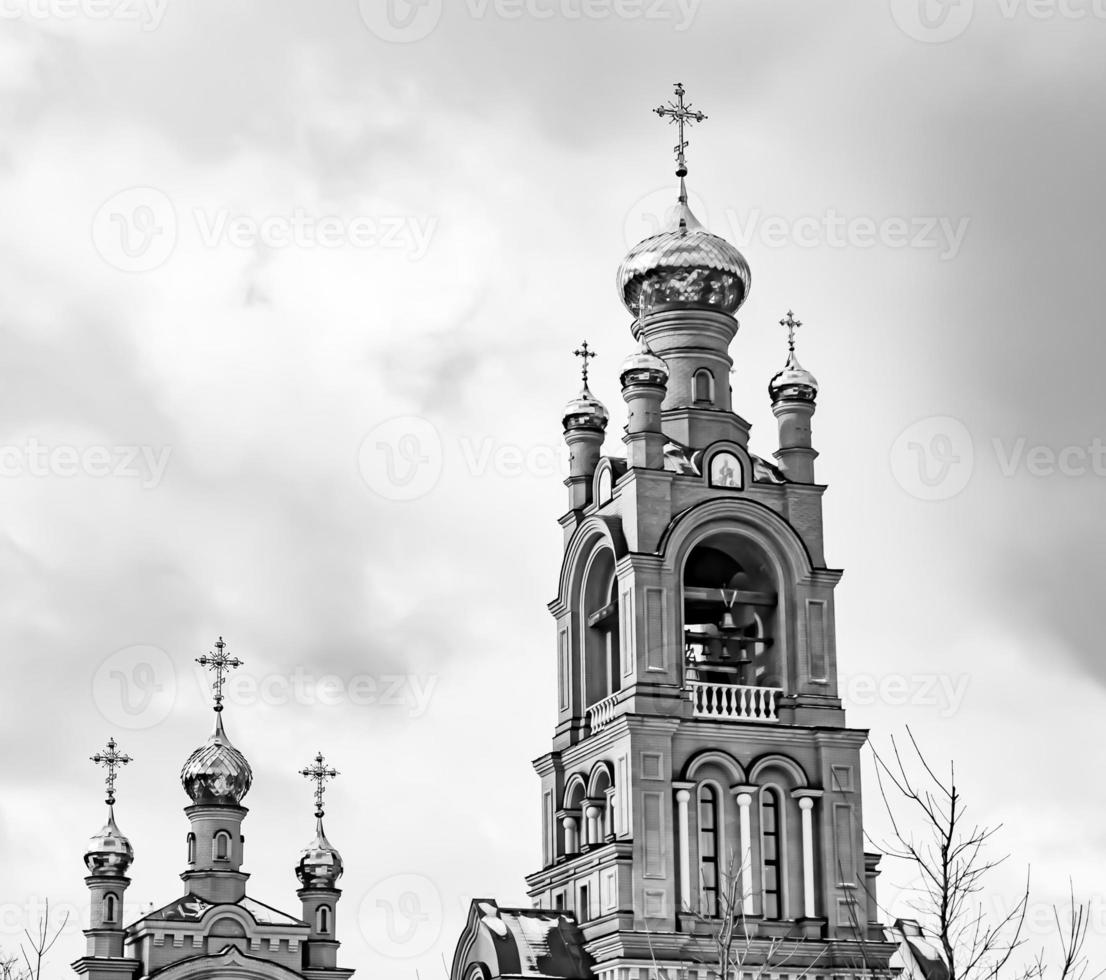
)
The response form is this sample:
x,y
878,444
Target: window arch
x,y
709,815
220,846
322,919
771,853
190,843
111,908
702,387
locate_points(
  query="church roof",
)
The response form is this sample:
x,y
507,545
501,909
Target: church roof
x,y
192,908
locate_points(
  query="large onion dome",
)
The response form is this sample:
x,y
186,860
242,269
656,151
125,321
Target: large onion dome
x,y
793,383
320,863
216,772
585,411
683,265
109,852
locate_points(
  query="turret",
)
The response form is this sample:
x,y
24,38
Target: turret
x,y
108,858
216,777
585,424
644,379
319,868
793,391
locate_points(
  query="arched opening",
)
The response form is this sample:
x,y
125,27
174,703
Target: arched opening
x,y
322,919
702,387
730,614
600,826
190,844
111,908
708,814
602,666
575,832
220,846
771,853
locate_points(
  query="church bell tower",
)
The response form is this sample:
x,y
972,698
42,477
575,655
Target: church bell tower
x,y
701,774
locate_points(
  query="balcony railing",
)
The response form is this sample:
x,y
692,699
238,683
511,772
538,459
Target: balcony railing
x,y
734,702
602,712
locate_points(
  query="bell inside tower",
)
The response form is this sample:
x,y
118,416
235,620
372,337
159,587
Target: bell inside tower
x,y
730,609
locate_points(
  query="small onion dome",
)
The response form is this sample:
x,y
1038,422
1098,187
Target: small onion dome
x,y
644,367
585,411
793,383
109,852
683,265
216,772
320,863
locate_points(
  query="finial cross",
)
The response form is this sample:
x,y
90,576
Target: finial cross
x,y
681,114
792,325
319,774
586,354
112,760
222,665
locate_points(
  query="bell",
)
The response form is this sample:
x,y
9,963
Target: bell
x,y
727,621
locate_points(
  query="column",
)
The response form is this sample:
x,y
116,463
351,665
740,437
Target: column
x,y
806,809
744,801
608,829
682,798
592,813
572,843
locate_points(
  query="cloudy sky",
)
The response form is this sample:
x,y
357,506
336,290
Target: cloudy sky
x,y
289,298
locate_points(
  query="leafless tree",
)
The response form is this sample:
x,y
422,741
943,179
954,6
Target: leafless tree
x,y
952,857
39,943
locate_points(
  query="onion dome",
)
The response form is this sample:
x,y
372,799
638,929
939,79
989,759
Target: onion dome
x,y
793,383
320,864
644,367
217,772
109,852
585,411
684,265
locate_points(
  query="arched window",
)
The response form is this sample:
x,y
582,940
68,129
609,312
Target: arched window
x,y
220,846
602,666
708,850
771,853
111,908
703,387
322,919
190,841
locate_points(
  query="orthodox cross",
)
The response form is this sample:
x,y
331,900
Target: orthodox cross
x,y
319,774
792,325
586,353
682,115
111,760
221,664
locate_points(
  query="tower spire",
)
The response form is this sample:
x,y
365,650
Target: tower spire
x,y
679,112
221,664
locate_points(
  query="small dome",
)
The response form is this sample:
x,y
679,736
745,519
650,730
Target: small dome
x,y
644,367
794,382
585,411
320,863
216,772
683,265
109,852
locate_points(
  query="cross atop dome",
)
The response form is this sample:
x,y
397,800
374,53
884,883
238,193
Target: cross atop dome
x,y
112,760
792,324
318,773
585,353
222,665
680,113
